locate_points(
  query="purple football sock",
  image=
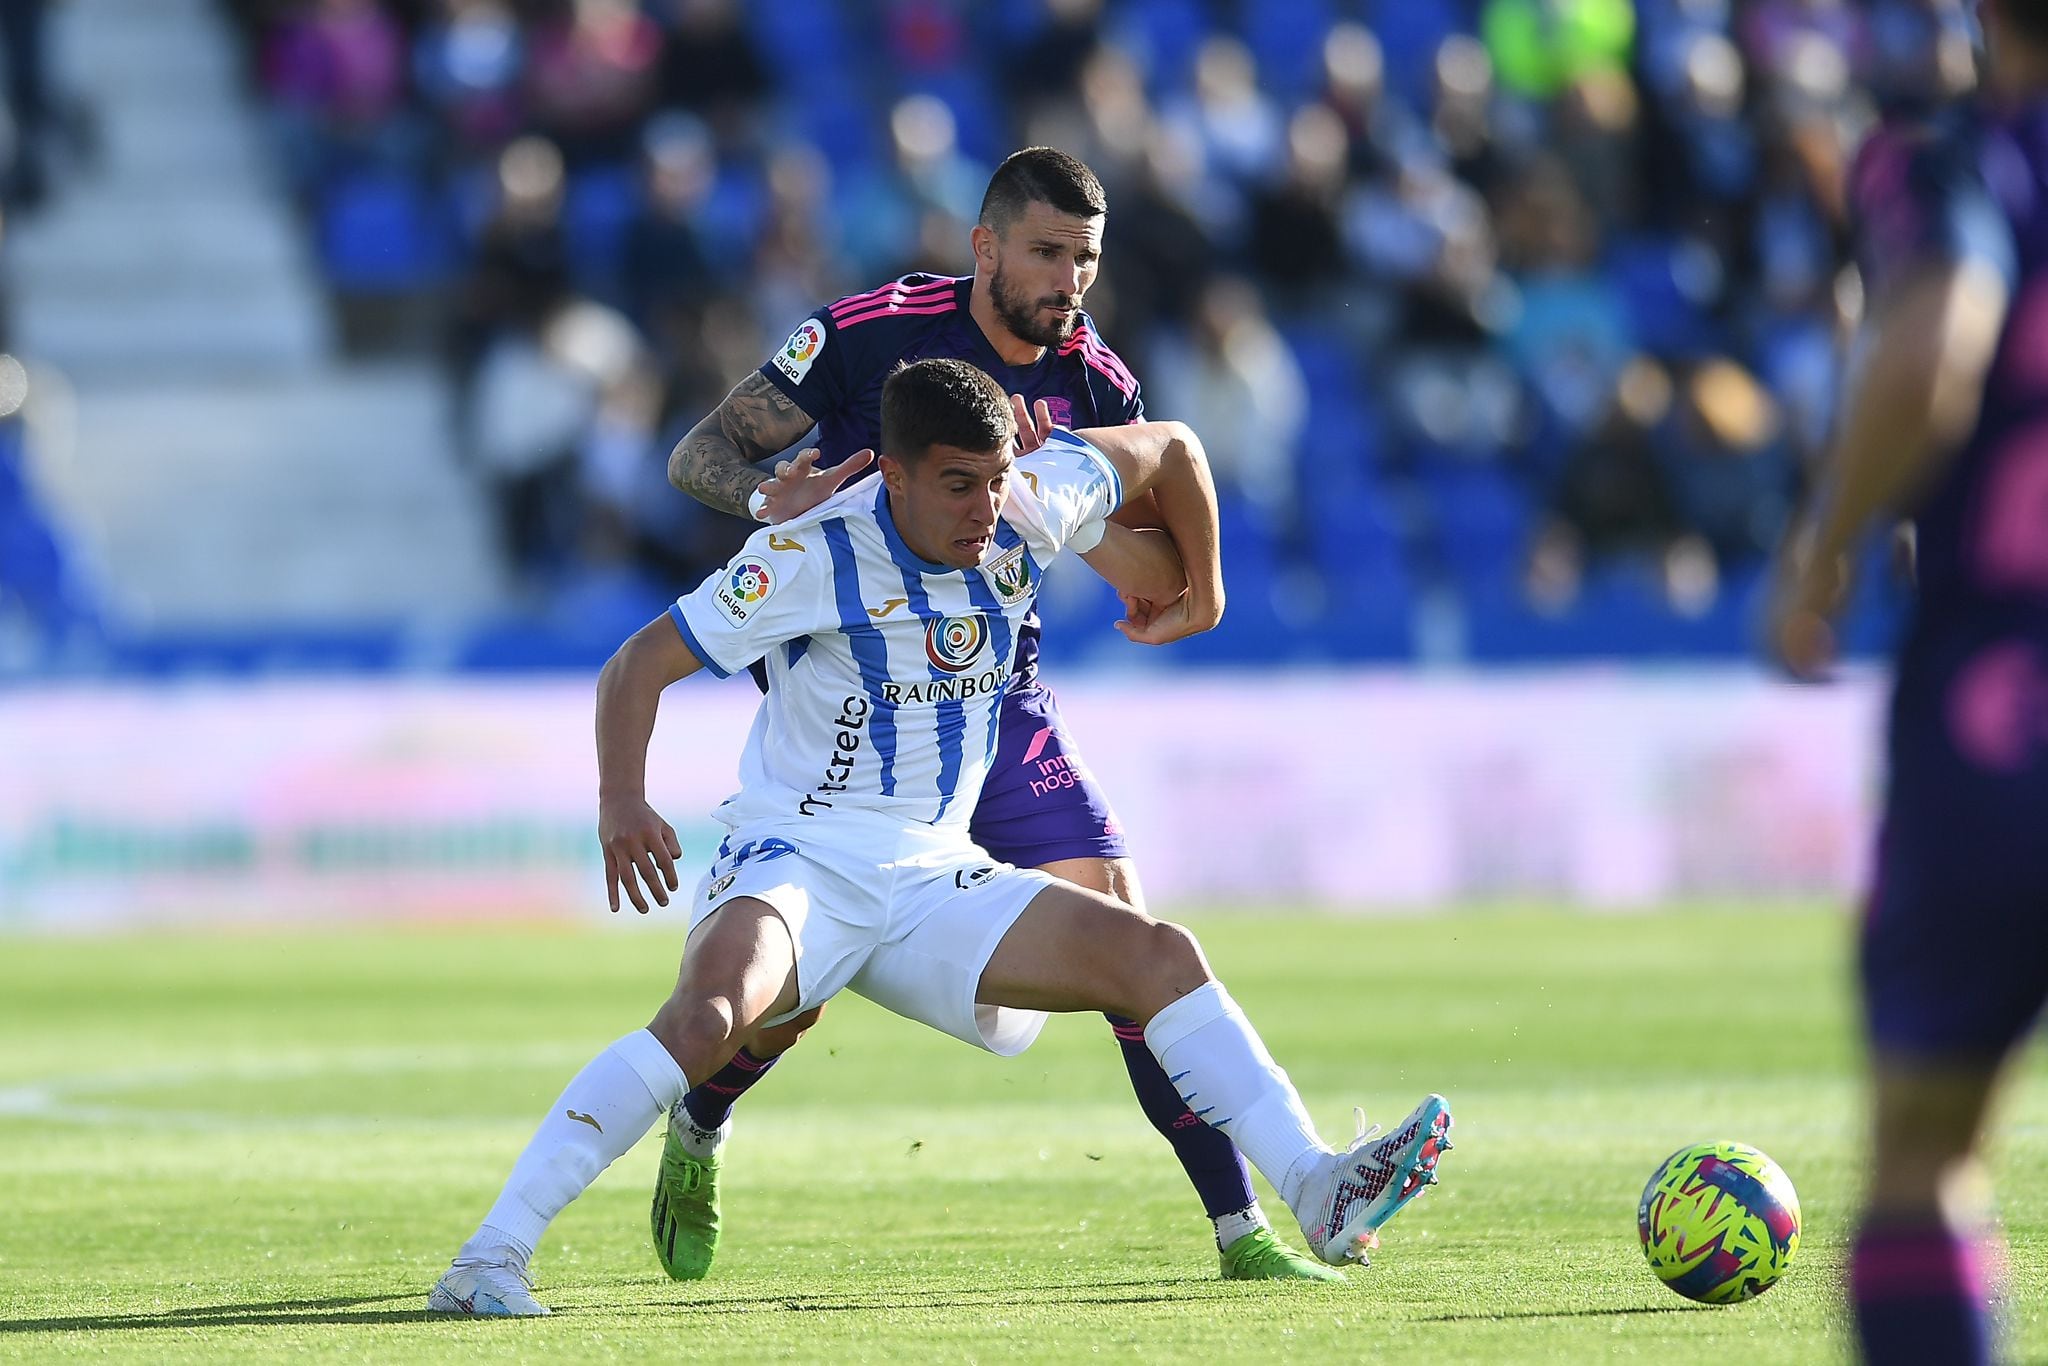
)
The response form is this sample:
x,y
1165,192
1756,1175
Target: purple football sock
x,y
1210,1159
710,1101
1920,1294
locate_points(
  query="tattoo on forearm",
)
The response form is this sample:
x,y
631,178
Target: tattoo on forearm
x,y
715,463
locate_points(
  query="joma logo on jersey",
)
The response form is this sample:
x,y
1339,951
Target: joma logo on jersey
x,y
1010,574
952,643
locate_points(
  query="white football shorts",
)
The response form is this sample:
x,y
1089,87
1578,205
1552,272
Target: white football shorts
x,y
907,918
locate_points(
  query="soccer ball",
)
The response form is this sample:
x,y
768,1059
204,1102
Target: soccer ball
x,y
1719,1222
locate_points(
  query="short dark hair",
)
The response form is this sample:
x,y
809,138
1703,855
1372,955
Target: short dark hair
x,y
943,402
1041,175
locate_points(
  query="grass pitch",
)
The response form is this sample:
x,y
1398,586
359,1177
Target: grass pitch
x,y
267,1147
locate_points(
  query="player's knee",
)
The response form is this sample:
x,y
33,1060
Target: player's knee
x,y
700,1033
1167,963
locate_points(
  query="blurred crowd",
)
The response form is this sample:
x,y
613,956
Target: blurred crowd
x,y
1498,317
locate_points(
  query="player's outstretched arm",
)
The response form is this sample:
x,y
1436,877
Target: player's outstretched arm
x,y
715,462
1167,460
1913,399
636,840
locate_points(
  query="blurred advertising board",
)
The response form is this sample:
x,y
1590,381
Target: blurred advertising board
x,y
275,802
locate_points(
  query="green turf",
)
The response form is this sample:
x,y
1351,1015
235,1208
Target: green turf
x,y
265,1147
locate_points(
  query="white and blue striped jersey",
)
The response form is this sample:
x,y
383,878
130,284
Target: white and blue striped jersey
x,y
884,669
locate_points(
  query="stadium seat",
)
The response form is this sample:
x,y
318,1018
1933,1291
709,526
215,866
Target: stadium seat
x,y
1286,40
1482,517
382,234
597,212
1620,613
1162,37
1664,318
1410,32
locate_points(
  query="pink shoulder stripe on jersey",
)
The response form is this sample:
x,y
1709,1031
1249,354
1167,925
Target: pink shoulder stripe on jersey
x,y
894,292
879,293
894,311
1101,359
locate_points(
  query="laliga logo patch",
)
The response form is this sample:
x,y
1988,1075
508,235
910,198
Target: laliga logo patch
x,y
951,643
1010,575
804,344
747,585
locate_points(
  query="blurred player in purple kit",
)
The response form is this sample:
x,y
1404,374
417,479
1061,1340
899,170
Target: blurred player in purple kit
x,y
1037,248
1947,421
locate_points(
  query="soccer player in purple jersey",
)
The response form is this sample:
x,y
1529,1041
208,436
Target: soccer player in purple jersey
x,y
1947,421
1037,248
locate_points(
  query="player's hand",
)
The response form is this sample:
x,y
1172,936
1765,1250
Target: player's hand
x,y
1799,628
1158,623
1034,423
639,847
798,485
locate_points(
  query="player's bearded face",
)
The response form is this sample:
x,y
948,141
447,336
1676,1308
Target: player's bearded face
x,y
1041,319
1044,263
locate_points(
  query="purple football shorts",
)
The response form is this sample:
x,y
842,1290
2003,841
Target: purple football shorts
x,y
1040,804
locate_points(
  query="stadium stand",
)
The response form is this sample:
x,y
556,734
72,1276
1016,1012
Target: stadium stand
x,y
1560,300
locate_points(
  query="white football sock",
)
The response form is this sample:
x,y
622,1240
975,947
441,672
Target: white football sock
x,y
607,1107
1231,1227
1227,1077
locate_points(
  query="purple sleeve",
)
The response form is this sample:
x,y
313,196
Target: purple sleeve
x,y
1919,197
813,367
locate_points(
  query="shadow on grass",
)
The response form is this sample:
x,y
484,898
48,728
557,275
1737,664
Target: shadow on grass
x,y
272,1313
1482,1316
407,1307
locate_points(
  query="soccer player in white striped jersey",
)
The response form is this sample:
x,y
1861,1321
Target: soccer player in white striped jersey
x,y
888,620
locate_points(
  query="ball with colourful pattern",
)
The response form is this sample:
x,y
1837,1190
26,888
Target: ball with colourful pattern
x,y
1719,1222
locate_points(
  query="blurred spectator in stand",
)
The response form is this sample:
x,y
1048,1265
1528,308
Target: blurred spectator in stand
x,y
1380,131
709,66
1297,243
1920,53
1110,125
1242,133
916,211
1046,68
795,262
1158,252
31,109
1700,157
1570,335
1594,125
1232,379
1727,464
468,64
336,74
1539,47
1774,33
1462,127
591,78
667,273
520,272
1612,501
536,399
1428,238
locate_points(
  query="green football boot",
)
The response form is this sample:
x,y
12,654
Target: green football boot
x,y
684,1217
1259,1256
